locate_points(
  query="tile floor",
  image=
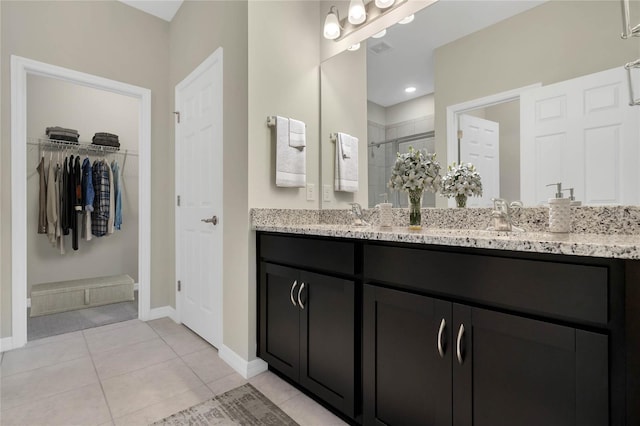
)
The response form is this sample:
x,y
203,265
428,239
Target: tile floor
x,y
128,373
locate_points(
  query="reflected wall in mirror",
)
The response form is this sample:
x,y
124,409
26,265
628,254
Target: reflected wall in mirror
x,y
460,52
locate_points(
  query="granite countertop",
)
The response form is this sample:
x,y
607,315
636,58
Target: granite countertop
x,y
594,245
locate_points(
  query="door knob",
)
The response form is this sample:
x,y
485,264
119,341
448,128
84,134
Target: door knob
x,y
213,220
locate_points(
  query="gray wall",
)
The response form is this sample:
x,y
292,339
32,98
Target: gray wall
x,y
556,41
56,102
83,38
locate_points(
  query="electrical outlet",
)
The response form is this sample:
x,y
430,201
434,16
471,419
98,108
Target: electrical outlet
x,y
326,193
311,192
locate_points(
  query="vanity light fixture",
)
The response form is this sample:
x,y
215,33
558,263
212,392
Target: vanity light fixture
x,y
332,24
353,47
410,89
407,20
383,4
380,34
357,13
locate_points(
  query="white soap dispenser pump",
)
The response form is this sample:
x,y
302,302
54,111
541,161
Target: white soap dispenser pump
x,y
559,211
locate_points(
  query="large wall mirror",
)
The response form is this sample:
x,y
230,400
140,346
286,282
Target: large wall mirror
x,y
531,92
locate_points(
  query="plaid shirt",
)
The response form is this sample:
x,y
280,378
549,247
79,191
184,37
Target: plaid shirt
x,y
100,214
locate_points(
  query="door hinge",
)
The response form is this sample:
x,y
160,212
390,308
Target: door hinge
x,y
178,201
177,113
179,285
460,132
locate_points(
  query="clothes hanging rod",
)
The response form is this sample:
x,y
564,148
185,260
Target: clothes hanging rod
x,y
410,138
51,145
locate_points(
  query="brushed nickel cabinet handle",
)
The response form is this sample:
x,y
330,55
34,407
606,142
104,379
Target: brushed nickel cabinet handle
x,y
300,291
213,220
459,343
443,324
293,302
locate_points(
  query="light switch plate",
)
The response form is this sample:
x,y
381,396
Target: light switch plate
x,y
326,193
311,192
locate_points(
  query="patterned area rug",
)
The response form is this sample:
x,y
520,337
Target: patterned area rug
x,y
244,405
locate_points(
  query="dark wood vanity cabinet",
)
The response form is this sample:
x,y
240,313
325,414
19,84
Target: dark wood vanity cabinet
x,y
307,321
433,335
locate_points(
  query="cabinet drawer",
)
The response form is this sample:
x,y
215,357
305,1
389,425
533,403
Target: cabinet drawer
x,y
334,256
560,290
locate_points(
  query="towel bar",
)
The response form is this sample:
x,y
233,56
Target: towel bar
x,y
333,137
271,121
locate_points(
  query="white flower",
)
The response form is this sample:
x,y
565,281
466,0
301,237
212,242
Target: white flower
x,y
415,171
462,179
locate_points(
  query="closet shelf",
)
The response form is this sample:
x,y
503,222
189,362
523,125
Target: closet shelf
x,y
82,147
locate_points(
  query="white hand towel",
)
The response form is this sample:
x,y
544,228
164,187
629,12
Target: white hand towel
x,y
297,134
290,162
346,173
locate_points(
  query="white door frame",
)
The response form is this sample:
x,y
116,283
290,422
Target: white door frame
x,y
454,111
206,65
20,69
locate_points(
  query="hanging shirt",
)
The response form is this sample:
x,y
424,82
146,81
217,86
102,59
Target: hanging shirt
x,y
52,203
88,195
115,167
61,187
76,187
65,197
112,201
100,214
42,199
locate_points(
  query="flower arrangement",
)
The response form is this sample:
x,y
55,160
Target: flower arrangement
x,y
461,181
415,172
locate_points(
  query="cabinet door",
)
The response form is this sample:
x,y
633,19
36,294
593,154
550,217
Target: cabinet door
x,y
327,339
519,371
279,319
407,359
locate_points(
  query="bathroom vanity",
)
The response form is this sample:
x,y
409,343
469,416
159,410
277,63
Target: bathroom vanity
x,y
397,328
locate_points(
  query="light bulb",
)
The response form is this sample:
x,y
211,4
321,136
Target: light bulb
x,y
410,89
380,34
383,4
357,13
331,25
407,19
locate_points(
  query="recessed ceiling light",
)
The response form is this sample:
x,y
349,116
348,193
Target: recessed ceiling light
x,y
410,89
407,19
380,34
354,47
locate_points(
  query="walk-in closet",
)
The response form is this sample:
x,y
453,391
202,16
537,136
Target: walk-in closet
x,y
82,206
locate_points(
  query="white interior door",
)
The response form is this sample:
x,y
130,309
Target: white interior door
x,y
583,133
480,146
199,188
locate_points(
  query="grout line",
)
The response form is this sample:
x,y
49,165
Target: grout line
x,y
106,401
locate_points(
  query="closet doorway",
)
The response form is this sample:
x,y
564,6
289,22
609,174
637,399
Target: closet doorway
x,y
126,250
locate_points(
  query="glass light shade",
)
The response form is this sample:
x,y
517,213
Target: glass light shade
x,y
380,34
407,19
354,47
410,89
331,26
383,4
357,13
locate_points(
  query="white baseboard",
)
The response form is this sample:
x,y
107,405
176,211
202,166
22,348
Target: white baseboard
x,y
246,369
163,311
6,344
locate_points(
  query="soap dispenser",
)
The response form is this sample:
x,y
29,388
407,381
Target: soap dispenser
x,y
384,212
559,211
572,198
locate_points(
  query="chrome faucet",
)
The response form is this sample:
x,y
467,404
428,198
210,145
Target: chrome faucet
x,y
358,215
502,215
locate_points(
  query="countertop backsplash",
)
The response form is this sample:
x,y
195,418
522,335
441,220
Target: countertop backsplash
x,y
609,220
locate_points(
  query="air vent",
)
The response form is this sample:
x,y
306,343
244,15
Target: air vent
x,y
380,48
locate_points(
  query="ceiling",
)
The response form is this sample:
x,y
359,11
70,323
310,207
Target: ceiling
x,y
409,60
163,9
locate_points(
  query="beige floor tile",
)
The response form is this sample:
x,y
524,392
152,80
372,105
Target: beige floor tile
x,y
53,339
22,388
307,412
33,357
119,337
226,383
164,326
138,389
208,365
82,406
133,357
185,342
273,387
110,327
162,409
